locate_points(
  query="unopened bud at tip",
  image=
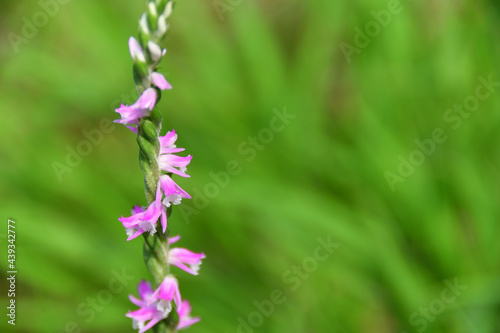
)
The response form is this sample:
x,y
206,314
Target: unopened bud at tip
x,y
168,9
143,24
152,9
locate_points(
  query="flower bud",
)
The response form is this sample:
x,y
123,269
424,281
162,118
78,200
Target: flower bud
x,y
162,26
136,52
152,9
152,16
159,80
143,26
155,51
168,9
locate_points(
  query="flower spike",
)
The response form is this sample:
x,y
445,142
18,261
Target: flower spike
x,y
159,164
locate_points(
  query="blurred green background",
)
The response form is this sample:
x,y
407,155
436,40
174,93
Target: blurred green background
x,y
323,175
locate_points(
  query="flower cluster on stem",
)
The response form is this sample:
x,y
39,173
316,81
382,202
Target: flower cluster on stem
x,y
162,308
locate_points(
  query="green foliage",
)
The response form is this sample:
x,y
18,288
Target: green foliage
x,y
322,176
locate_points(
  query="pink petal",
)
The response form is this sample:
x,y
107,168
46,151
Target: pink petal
x,y
137,209
186,256
159,80
135,49
135,235
136,301
168,139
179,257
184,309
142,314
168,168
131,221
173,239
170,187
148,99
132,128
168,290
183,323
130,114
182,266
170,150
164,220
177,161
153,322
144,289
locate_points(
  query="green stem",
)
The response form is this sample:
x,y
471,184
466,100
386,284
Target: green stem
x,y
149,149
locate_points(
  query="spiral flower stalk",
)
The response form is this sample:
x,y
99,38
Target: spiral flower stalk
x,y
161,308
149,149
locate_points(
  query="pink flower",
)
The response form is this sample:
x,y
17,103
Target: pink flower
x,y
142,220
169,162
167,292
167,143
141,108
184,319
179,257
149,309
185,259
159,80
173,192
